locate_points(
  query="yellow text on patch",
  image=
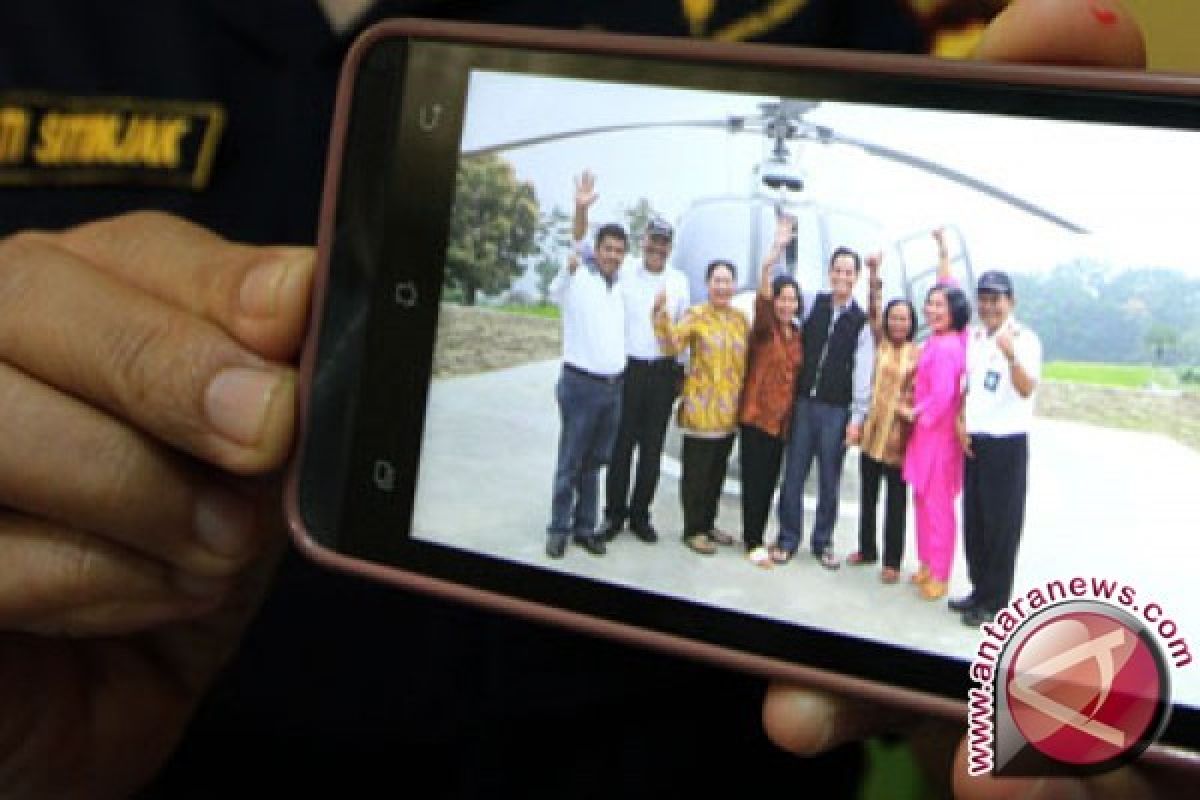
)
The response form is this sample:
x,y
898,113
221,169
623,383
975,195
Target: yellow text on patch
x,y
97,139
14,130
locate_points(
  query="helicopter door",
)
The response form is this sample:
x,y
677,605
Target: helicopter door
x,y
918,267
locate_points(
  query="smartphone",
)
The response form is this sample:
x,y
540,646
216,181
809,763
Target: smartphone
x,y
430,422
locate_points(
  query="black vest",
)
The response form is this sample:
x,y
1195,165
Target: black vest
x,y
832,374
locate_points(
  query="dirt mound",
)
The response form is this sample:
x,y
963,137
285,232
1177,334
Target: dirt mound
x,y
472,340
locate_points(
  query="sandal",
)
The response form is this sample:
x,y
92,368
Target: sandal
x,y
920,576
721,537
759,557
857,559
827,559
700,543
780,555
889,575
933,589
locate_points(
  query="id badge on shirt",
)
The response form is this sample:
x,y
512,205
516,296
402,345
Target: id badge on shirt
x,y
991,380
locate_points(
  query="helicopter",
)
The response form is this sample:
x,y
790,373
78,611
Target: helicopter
x,y
741,225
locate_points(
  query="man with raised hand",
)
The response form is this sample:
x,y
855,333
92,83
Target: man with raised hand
x,y
589,388
1004,363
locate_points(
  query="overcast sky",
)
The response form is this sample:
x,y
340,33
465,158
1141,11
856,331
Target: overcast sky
x,y
1137,189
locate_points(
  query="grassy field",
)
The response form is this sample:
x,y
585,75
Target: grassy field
x,y
547,311
1133,397
1124,376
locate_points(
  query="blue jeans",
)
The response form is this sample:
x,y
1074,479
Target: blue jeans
x,y
818,430
588,409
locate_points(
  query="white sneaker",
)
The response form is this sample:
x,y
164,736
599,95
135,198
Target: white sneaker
x,y
760,557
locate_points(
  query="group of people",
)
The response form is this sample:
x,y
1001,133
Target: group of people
x,y
947,417
809,375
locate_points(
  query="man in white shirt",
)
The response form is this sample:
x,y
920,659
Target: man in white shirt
x,y
589,389
1004,364
652,381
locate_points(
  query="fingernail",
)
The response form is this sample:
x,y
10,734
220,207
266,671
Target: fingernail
x,y
264,286
224,522
238,400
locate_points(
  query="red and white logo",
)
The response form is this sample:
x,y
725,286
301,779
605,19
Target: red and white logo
x,y
1081,687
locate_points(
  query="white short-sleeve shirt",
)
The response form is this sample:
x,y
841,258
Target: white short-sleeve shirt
x,y
640,286
593,319
993,404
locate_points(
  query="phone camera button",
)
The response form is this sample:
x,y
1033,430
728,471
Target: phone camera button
x,y
406,294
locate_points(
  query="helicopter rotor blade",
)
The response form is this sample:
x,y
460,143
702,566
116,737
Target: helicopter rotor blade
x,y
732,124
951,174
762,123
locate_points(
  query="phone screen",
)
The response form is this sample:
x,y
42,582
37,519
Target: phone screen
x,y
461,221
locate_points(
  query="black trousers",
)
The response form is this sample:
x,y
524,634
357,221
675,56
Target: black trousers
x,y
704,464
647,398
761,459
995,483
871,473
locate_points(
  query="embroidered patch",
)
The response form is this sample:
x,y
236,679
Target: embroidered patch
x,y
59,140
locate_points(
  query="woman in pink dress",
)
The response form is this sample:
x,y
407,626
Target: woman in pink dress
x,y
933,462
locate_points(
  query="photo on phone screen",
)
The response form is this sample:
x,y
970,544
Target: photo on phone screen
x,y
1095,228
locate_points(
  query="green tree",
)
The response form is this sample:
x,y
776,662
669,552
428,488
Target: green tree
x,y
1161,341
1087,311
554,237
493,227
637,218
546,269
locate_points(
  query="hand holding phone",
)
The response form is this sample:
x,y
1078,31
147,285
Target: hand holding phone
x,y
116,613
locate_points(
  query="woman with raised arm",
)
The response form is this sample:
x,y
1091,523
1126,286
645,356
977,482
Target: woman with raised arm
x,y
933,462
774,358
886,431
715,334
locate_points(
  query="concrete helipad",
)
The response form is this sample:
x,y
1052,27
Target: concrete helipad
x,y
1103,503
